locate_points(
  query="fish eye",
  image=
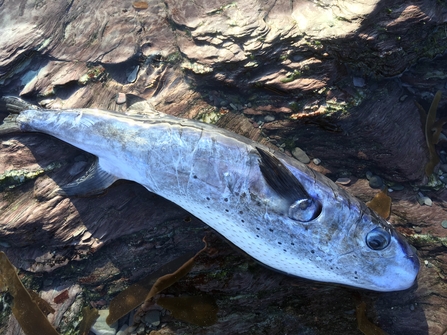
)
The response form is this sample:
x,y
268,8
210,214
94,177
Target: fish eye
x,y
378,239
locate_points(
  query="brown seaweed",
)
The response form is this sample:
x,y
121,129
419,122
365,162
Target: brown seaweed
x,y
199,310
44,306
429,124
381,204
363,324
31,319
171,278
89,316
145,289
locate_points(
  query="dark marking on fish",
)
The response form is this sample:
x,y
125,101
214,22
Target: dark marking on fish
x,y
279,178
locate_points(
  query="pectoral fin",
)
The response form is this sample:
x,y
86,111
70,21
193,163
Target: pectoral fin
x,y
279,178
301,206
94,181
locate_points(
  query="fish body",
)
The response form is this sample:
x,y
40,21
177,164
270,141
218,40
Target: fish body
x,y
285,215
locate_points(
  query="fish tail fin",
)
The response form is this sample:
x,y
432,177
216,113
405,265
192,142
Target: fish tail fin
x,y
14,106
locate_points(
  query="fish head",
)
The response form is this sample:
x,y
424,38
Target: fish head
x,y
354,246
331,235
386,260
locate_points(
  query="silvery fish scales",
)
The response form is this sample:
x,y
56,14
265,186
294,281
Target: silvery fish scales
x,y
276,209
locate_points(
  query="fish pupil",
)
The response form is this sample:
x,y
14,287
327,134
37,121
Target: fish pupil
x,y
378,239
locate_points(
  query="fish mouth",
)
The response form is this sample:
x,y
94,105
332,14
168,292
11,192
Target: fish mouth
x,y
412,258
409,251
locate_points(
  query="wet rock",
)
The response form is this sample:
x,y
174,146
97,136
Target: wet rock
x,y
269,118
132,74
343,181
279,59
299,154
424,200
397,187
120,98
444,224
375,182
316,161
358,82
152,318
100,327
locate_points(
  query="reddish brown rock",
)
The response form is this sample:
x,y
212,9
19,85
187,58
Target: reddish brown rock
x,y
294,60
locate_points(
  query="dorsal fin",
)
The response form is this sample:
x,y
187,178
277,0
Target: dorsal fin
x,y
279,177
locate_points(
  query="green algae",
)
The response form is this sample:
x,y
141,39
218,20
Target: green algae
x,y
221,9
94,74
292,76
210,115
14,178
427,239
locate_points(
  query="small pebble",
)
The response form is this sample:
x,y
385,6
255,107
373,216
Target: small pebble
x,y
358,81
417,230
423,200
397,187
152,318
124,330
140,5
375,182
120,98
133,74
343,181
299,154
443,168
316,161
269,118
369,175
411,307
444,224
100,327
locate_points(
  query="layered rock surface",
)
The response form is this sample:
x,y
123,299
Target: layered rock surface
x,y
338,78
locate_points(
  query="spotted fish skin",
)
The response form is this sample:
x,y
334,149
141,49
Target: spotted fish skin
x,y
216,176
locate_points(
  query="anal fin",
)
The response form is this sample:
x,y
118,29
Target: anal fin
x,y
94,181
